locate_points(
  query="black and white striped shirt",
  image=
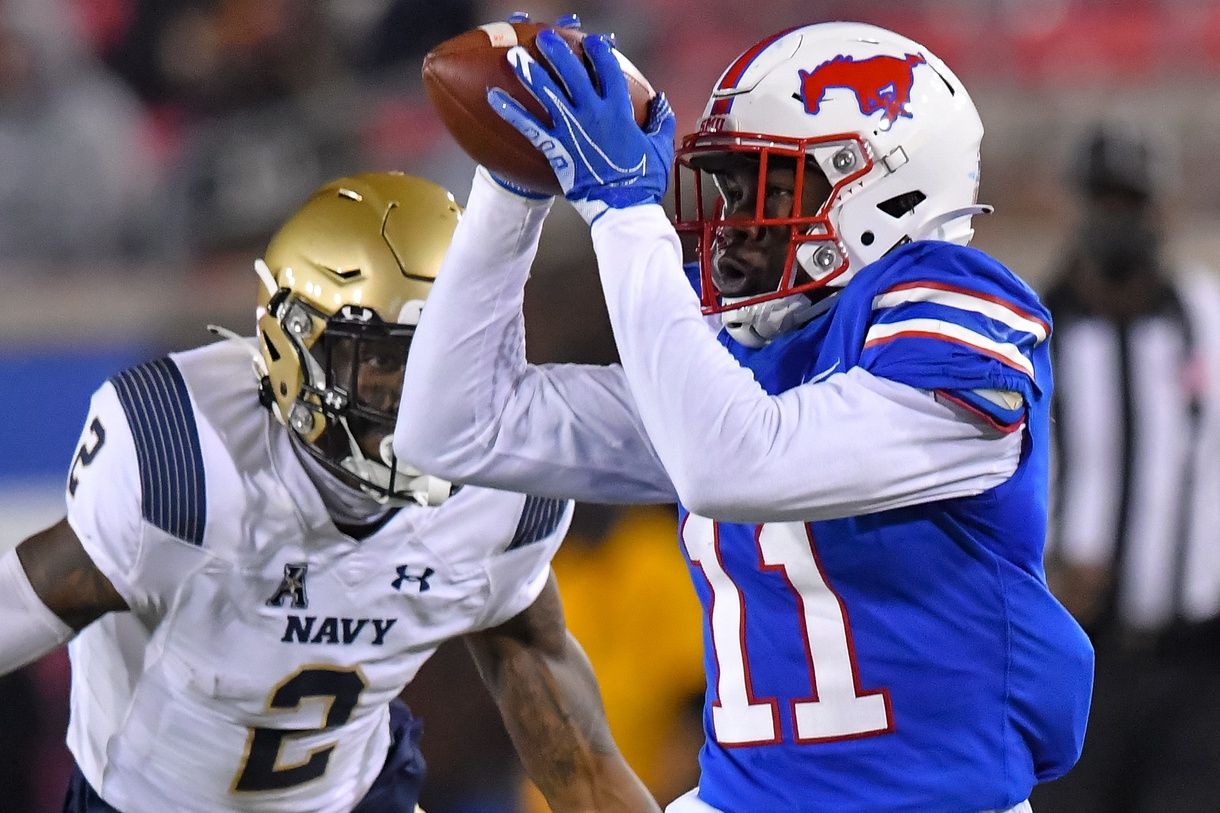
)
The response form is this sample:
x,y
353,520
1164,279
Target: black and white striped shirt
x,y
1136,484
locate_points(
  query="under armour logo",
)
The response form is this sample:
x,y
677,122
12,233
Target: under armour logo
x,y
405,576
291,586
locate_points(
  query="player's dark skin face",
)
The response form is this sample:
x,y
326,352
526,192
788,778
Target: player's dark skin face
x,y
748,259
378,385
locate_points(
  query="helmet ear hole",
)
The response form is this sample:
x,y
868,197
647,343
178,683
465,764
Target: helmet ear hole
x,y
867,238
272,350
900,205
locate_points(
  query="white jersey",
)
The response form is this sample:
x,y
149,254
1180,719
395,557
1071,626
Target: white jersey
x,y
263,647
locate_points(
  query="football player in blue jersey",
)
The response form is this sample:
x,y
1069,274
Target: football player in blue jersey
x,y
858,446
249,576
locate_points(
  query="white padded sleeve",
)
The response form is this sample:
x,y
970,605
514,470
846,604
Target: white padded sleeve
x,y
28,629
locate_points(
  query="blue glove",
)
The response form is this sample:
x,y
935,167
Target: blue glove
x,y
566,21
601,158
570,21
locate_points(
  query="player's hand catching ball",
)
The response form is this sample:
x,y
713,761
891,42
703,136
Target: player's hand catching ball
x,y
570,21
601,157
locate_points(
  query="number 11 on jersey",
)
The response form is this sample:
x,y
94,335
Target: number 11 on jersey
x,y
837,708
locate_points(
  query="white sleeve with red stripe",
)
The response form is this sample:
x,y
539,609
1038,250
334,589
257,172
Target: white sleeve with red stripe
x,y
855,443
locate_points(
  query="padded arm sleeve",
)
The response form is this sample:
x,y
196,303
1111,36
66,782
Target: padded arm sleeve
x,y
28,629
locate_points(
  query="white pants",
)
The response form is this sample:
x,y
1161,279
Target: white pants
x,y
690,802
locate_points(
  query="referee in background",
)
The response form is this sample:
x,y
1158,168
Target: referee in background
x,y
1134,552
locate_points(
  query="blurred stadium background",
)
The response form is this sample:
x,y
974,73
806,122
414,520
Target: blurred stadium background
x,y
149,147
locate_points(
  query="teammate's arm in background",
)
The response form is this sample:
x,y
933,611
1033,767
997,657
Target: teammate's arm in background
x,y
552,708
49,590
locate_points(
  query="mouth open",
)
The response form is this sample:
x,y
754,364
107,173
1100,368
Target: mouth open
x,y
736,275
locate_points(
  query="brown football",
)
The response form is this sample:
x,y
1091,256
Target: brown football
x,y
458,74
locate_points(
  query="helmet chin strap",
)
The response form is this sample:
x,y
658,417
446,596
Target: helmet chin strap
x,y
392,475
257,361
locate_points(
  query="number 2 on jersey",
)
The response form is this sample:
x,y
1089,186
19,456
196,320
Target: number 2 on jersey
x,y
339,690
837,707
85,455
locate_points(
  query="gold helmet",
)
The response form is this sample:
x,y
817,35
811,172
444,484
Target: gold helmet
x,y
344,282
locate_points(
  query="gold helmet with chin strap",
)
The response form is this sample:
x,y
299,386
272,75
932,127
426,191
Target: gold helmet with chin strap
x,y
354,265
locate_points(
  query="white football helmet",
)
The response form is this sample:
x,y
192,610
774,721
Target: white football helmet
x,y
889,125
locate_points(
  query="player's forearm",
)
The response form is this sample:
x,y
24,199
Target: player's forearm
x,y
853,444
713,426
545,688
552,709
470,345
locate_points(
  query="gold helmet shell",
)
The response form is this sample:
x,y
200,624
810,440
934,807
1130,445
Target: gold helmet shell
x,y
374,241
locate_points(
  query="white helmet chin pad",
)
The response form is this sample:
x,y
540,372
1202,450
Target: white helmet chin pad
x,y
393,476
424,489
756,325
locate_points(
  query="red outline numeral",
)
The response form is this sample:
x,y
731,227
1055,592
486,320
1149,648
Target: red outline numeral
x,y
838,707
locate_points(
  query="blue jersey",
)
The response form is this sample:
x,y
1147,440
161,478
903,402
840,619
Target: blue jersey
x,y
910,659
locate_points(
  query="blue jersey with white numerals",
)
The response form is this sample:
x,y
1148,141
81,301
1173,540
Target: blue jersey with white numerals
x,y
910,659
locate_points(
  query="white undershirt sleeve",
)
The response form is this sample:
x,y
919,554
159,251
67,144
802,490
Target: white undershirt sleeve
x,y
28,629
849,445
474,411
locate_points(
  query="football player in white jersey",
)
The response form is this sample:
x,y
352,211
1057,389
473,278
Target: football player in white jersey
x,y
249,576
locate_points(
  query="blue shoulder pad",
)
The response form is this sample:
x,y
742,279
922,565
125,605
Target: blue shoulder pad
x,y
949,318
158,408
